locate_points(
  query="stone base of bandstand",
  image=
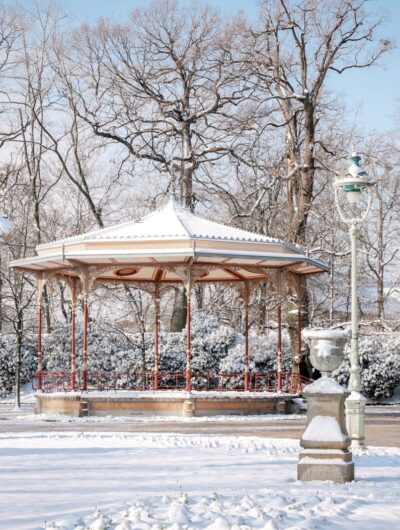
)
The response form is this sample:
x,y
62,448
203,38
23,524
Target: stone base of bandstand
x,y
162,403
325,441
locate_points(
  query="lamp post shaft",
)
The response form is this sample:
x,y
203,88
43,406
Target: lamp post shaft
x,y
355,403
354,382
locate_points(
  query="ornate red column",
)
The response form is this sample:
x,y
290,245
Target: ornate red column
x,y
72,284
185,273
246,342
280,356
73,356
156,333
244,293
87,278
40,352
41,282
188,344
279,378
85,353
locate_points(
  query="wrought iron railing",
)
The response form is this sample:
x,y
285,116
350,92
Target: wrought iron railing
x,y
170,380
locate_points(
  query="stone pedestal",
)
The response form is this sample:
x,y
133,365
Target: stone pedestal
x,y
355,411
325,441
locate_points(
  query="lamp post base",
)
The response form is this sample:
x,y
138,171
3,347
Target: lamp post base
x,y
355,412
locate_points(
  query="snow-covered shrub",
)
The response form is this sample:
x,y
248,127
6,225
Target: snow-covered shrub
x,y
109,349
379,356
56,349
263,356
8,363
172,348
113,349
263,353
214,348
210,343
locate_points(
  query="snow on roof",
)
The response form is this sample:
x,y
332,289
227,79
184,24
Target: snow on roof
x,y
172,221
5,225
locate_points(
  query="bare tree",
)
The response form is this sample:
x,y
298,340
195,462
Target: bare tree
x,y
380,237
162,86
36,84
299,44
18,293
292,52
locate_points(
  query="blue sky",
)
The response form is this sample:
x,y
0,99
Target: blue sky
x,y
372,95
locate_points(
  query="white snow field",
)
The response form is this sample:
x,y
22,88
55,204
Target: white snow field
x,y
123,481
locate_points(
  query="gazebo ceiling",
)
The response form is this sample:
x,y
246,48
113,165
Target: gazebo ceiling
x,y
150,249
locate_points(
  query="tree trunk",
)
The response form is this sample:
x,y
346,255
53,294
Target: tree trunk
x,y
46,306
291,319
143,354
260,307
300,189
62,303
381,268
18,363
178,319
199,295
306,182
380,299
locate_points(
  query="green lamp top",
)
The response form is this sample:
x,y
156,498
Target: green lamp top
x,y
355,169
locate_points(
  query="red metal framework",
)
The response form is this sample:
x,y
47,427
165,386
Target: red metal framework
x,y
188,384
84,380
169,380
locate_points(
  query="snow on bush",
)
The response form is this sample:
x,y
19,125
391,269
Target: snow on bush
x,y
8,359
263,350
379,356
215,348
114,349
211,343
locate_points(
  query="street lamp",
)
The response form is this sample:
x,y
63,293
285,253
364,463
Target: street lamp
x,y
354,185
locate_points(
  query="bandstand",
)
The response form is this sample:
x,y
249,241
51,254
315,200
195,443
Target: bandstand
x,y
168,247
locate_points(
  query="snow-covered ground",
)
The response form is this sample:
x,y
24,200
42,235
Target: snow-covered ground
x,y
27,417
122,481
27,396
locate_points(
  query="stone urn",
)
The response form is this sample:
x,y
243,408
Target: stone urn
x,y
326,348
325,441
